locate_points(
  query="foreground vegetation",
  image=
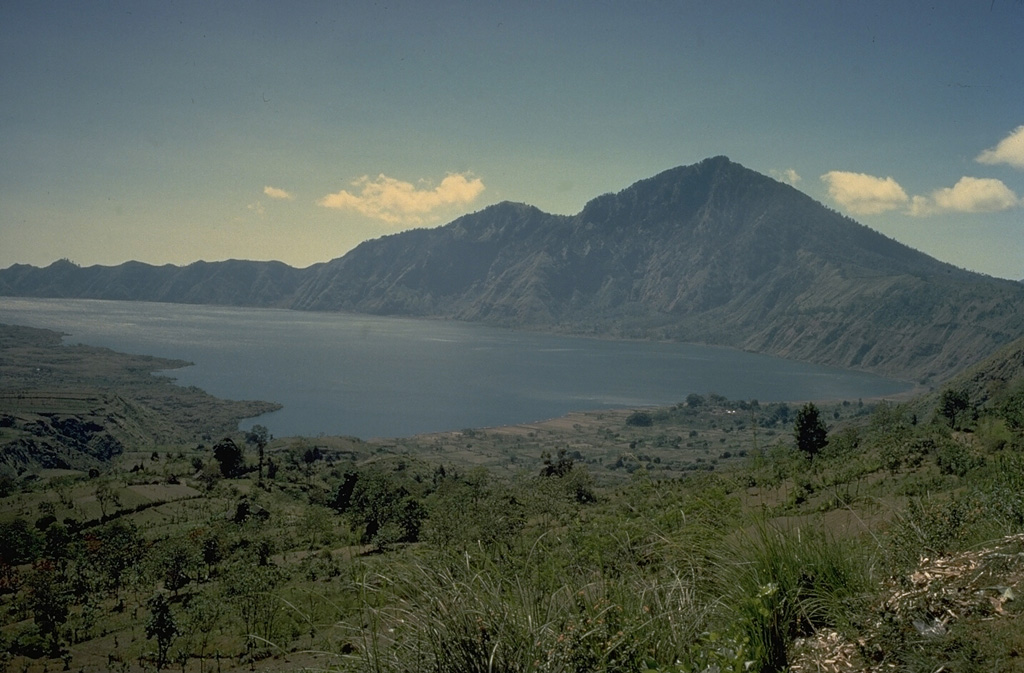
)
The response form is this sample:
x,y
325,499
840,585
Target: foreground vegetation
x,y
841,536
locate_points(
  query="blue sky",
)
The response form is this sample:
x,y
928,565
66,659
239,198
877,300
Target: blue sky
x,y
169,132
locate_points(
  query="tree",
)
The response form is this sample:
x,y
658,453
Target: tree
x,y
309,457
179,564
252,592
953,403
259,435
161,625
385,508
107,497
556,468
810,431
1013,410
56,540
229,456
112,551
212,552
49,600
19,542
203,612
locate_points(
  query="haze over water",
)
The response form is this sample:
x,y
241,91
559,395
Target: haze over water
x,y
368,376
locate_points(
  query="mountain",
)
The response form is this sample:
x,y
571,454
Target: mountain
x,y
712,252
232,283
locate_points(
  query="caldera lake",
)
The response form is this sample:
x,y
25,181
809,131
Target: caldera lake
x,y
371,376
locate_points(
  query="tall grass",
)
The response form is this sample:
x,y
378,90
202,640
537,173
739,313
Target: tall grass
x,y
473,614
782,583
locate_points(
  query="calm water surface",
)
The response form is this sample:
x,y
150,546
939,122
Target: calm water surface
x,y
389,377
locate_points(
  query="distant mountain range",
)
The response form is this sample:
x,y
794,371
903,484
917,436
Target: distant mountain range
x,y
712,252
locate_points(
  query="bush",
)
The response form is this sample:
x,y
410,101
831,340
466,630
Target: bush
x,y
640,419
954,458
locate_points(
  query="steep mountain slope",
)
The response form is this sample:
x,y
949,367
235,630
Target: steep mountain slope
x,y
712,252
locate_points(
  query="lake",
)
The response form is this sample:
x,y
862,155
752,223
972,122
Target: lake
x,y
369,376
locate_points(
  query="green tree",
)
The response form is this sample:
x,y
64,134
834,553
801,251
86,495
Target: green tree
x,y
309,457
49,600
385,508
1012,409
203,612
556,467
251,589
107,498
19,542
258,435
162,626
810,431
56,542
113,550
229,456
179,564
952,404
213,551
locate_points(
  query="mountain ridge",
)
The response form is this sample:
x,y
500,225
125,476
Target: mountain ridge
x,y
711,252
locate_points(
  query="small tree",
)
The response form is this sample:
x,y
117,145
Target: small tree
x,y
259,435
161,625
113,551
952,405
810,431
556,467
212,552
202,614
107,498
229,456
49,600
19,542
179,565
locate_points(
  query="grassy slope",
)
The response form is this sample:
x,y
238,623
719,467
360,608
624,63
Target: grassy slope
x,y
76,406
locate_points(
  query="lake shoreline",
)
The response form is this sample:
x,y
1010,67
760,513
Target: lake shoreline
x,y
370,376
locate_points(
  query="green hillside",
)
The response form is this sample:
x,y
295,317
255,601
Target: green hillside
x,y
77,407
696,537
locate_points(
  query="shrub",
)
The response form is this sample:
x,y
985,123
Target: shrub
x,y
640,419
955,458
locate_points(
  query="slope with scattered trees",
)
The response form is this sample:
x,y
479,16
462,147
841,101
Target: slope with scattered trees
x,y
827,536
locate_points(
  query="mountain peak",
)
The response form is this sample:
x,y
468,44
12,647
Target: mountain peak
x,y
711,252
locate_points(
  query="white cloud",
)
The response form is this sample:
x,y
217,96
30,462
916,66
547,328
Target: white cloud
x,y
789,176
1010,150
863,194
968,195
398,202
276,193
257,208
